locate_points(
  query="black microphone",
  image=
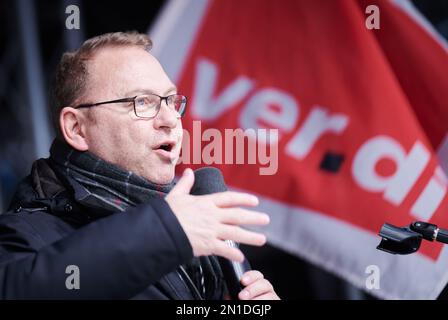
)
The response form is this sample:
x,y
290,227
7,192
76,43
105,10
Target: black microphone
x,y
209,180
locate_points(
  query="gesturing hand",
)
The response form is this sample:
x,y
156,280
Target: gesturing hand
x,y
210,219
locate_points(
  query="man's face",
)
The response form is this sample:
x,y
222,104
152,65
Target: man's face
x,y
113,131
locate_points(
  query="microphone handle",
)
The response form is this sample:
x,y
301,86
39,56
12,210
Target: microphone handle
x,y
233,272
210,180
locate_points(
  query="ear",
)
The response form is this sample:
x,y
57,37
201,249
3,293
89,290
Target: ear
x,y
72,122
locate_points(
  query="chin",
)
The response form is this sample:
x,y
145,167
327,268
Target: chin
x,y
162,176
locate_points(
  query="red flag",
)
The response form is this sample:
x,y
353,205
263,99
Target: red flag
x,y
360,114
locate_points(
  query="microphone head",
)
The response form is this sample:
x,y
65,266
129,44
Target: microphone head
x,y
208,180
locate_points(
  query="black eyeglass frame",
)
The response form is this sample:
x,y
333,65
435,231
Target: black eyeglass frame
x,y
132,99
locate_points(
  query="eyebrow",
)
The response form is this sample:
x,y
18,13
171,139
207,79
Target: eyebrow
x,y
172,90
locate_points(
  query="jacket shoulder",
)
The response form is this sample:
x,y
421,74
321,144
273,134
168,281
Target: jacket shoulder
x,y
29,230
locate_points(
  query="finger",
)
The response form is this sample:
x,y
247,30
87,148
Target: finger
x,y
233,199
240,235
251,276
267,296
257,288
239,216
185,183
231,253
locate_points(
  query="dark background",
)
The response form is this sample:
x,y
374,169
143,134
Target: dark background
x,y
45,24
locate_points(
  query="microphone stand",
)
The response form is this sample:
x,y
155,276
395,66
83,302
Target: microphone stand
x,y
406,240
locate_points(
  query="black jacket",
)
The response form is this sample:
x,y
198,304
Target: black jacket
x,y
133,254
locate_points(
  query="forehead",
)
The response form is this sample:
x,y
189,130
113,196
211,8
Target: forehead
x,y
114,71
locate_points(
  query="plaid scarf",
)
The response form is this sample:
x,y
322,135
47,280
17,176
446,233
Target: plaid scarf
x,y
102,184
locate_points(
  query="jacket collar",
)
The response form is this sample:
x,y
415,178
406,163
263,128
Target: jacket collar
x,y
46,190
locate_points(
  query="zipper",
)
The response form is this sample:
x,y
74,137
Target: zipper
x,y
19,209
184,272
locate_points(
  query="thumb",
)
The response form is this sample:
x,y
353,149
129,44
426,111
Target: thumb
x,y
186,181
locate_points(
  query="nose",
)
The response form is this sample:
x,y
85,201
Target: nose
x,y
166,117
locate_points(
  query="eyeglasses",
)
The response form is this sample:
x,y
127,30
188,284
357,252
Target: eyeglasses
x,y
147,106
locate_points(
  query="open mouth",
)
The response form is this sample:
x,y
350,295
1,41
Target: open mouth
x,y
165,149
166,146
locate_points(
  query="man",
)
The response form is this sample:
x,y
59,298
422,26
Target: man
x,y
101,218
